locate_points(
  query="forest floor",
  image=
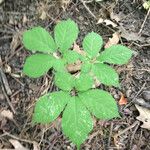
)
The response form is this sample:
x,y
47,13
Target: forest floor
x,y
17,98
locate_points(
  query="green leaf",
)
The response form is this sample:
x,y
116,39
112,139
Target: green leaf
x,y
116,54
92,44
38,39
105,74
76,121
84,82
100,103
59,65
71,56
64,81
66,32
37,65
49,106
86,67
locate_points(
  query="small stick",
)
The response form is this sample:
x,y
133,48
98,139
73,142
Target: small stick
x,y
128,128
142,26
5,82
17,138
7,98
133,100
110,134
132,137
19,49
83,2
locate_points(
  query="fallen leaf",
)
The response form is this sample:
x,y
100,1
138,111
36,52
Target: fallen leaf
x,y
36,146
130,36
115,17
101,20
77,49
72,68
1,1
64,4
15,42
24,19
17,145
123,100
7,114
114,40
7,68
42,10
43,15
144,116
107,21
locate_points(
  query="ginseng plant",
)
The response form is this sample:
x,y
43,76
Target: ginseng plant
x,y
77,100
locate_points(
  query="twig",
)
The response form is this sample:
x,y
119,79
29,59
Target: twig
x,y
110,134
19,49
135,96
17,138
142,103
142,26
5,82
125,130
7,98
83,2
132,137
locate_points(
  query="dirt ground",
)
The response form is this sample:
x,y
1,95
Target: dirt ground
x,y
18,97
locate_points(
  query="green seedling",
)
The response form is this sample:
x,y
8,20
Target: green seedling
x,y
76,100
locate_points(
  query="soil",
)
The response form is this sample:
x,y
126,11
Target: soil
x,y
21,93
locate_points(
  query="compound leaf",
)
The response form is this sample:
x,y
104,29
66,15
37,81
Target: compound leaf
x,y
49,106
66,33
37,65
64,81
84,82
105,74
76,121
71,56
38,39
116,54
92,44
100,103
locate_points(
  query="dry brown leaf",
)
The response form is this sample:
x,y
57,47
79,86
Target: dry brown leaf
x,y
6,114
123,100
107,21
15,42
130,36
144,116
74,67
36,146
7,68
114,40
1,1
24,19
77,49
43,15
115,17
42,10
17,145
64,4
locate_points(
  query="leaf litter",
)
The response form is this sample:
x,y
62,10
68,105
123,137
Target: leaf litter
x,y
144,116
